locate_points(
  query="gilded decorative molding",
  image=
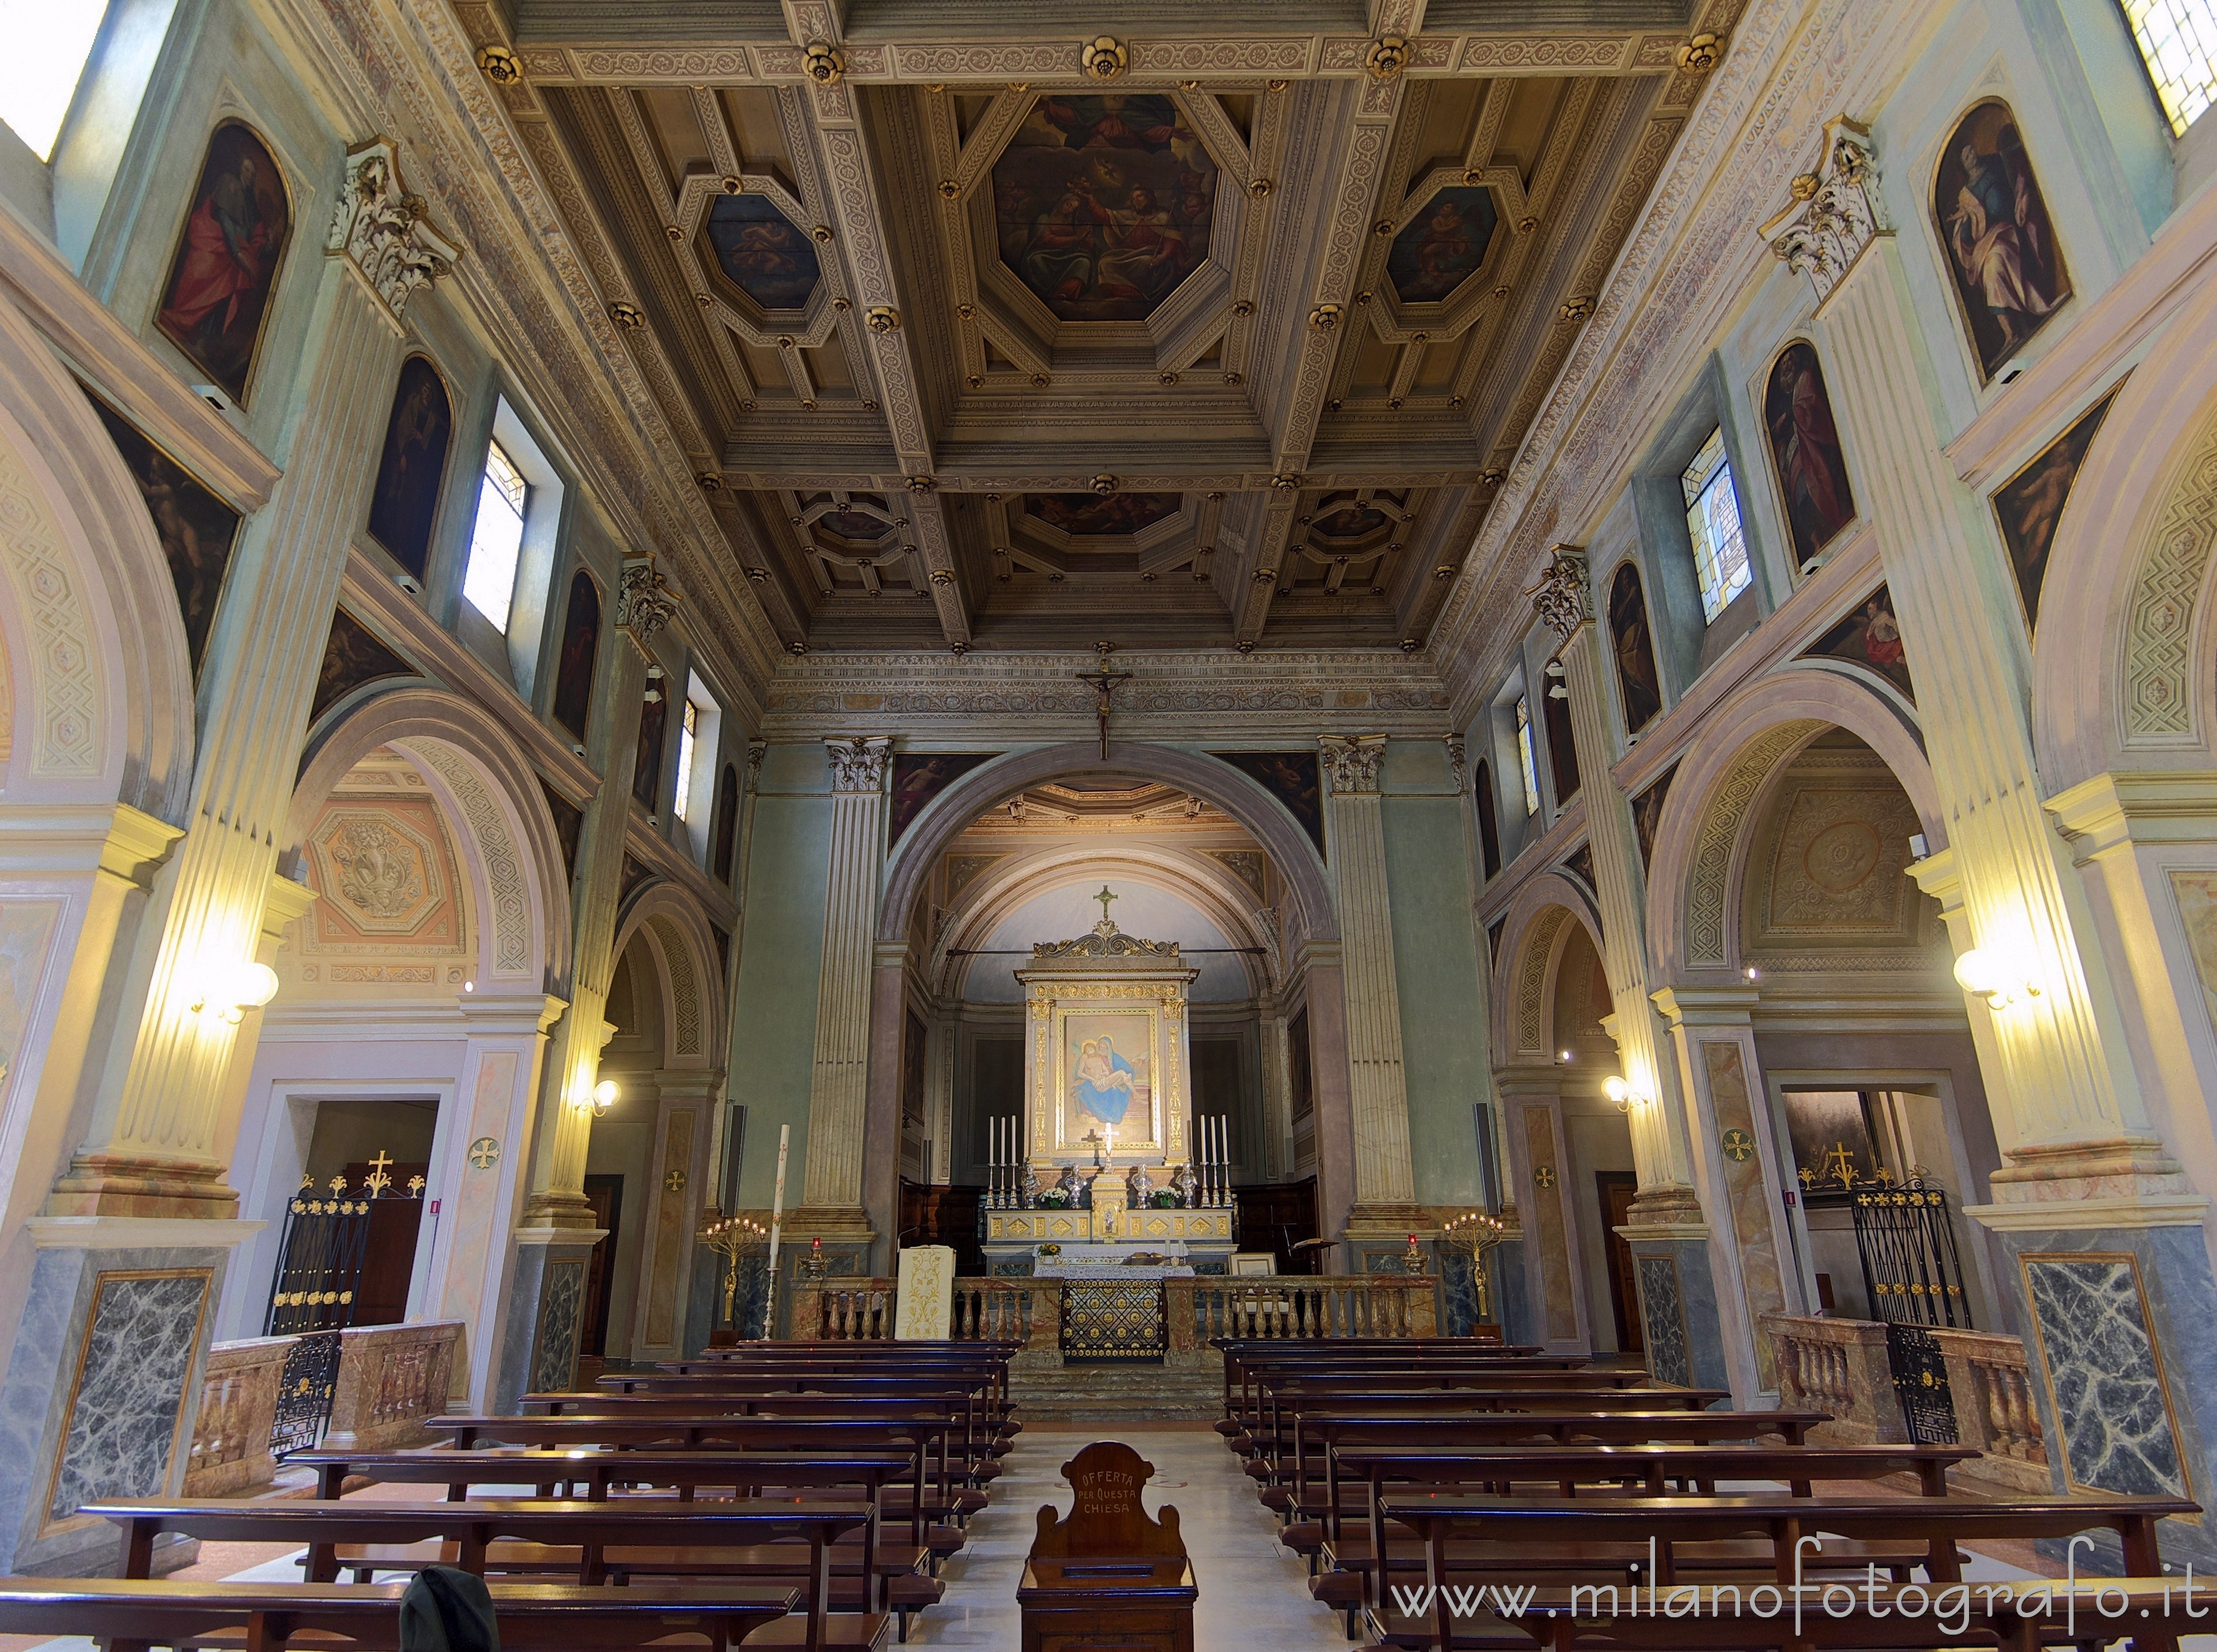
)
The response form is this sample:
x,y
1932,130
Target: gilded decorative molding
x,y
858,763
645,602
1563,597
1835,212
1353,761
1104,940
382,231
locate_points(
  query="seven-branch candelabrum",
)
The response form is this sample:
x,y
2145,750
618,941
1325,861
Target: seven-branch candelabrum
x,y
1474,1233
731,1238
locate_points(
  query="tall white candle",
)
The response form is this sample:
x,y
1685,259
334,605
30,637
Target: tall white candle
x,y
776,1220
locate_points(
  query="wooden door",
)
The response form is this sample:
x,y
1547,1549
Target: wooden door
x,y
1616,1188
388,1257
1276,1216
605,1195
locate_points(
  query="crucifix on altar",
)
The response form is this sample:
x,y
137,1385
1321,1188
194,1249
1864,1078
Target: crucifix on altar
x,y
1105,682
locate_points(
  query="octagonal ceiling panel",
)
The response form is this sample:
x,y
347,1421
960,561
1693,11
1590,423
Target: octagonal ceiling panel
x,y
1103,204
765,256
1101,515
1443,246
1351,522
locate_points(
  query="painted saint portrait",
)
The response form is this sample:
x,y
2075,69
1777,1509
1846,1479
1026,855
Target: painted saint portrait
x,y
2002,252
1443,245
409,472
218,294
1107,1081
1637,679
765,255
918,777
353,656
197,530
1805,451
724,835
1102,203
1647,814
1562,748
2030,506
1102,515
1489,822
1292,777
581,647
1871,637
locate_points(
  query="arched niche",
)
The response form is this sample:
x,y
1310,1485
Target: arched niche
x,y
496,807
100,679
1536,929
2122,658
1697,873
1270,822
683,948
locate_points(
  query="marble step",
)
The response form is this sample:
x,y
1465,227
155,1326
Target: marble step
x,y
1109,1393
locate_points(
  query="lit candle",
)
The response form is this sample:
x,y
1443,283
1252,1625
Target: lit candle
x,y
1109,1133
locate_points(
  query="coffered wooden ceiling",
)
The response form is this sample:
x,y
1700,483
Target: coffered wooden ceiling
x,y
977,344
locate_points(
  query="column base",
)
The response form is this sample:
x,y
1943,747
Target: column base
x,y
559,1207
2116,1297
1679,1323
142,1184
103,1385
1667,1211
543,1327
2123,1168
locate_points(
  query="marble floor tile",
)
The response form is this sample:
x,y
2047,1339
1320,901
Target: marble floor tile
x,y
1253,1592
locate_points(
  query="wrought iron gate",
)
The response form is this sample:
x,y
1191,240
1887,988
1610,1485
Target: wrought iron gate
x,y
326,1240
306,1388
1113,1321
1915,1281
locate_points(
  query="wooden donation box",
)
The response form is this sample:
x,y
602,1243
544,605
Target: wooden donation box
x,y
1111,1578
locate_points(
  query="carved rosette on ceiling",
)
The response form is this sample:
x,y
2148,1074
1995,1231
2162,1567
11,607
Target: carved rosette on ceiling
x,y
858,764
1835,212
382,231
645,602
1105,941
1353,762
1563,598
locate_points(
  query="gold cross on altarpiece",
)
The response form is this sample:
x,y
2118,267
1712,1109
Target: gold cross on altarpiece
x,y
1105,682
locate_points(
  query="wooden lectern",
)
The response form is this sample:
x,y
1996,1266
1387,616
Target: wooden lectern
x,y
1110,1576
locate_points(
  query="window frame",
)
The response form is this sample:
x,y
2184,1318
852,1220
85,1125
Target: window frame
x,y
1527,755
1718,474
2178,124
517,499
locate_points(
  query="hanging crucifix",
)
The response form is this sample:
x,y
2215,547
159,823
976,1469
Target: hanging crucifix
x,y
1105,682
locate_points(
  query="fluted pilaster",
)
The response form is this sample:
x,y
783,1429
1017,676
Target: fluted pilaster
x,y
839,1076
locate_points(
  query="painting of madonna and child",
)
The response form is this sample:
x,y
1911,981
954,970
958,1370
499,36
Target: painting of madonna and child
x,y
1107,1078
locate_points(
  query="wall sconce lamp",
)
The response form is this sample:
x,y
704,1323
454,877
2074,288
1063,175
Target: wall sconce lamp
x,y
1987,976
604,1097
1621,1093
233,991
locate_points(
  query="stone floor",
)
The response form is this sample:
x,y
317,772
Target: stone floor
x,y
1252,1591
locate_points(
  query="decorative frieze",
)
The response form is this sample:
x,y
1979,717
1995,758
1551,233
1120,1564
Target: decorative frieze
x,y
382,231
1835,211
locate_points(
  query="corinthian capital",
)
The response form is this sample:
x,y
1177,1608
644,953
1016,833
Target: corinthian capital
x,y
380,230
858,764
1835,211
644,601
1353,761
1563,598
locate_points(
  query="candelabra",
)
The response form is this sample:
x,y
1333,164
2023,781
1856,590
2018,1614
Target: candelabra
x,y
1474,1234
731,1238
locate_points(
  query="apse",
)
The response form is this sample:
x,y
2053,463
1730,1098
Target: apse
x,y
1071,909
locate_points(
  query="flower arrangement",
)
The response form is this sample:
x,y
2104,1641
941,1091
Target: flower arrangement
x,y
1055,1199
1048,1250
1163,1199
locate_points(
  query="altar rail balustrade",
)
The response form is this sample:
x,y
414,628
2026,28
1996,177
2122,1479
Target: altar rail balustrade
x,y
391,1377
1840,1366
1030,1310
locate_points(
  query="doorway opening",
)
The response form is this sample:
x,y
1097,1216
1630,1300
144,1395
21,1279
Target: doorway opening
x,y
1616,1189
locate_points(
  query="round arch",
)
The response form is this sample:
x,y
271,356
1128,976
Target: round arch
x,y
2123,664
493,801
1212,888
99,673
1538,921
678,934
1694,877
1247,802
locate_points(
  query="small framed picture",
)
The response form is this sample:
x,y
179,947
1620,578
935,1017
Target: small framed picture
x,y
1253,1264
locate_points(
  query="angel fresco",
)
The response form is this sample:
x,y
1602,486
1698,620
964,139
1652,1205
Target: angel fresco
x,y
2001,244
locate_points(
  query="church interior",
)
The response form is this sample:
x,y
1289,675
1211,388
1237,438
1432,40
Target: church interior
x,y
794,752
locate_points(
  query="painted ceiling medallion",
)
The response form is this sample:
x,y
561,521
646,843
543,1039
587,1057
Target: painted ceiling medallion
x,y
821,62
1443,246
1101,513
1104,58
761,251
1103,203
500,65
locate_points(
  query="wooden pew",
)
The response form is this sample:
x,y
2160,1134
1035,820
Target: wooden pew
x,y
627,1533
1238,1352
1257,1376
128,1615
1523,1535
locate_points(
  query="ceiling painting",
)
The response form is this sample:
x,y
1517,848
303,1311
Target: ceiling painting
x,y
1443,246
765,256
1092,515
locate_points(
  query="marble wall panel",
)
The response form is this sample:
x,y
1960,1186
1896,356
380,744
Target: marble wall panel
x,y
1751,1198
2104,1373
554,1360
667,1251
1663,1314
1549,1228
477,1204
129,1396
